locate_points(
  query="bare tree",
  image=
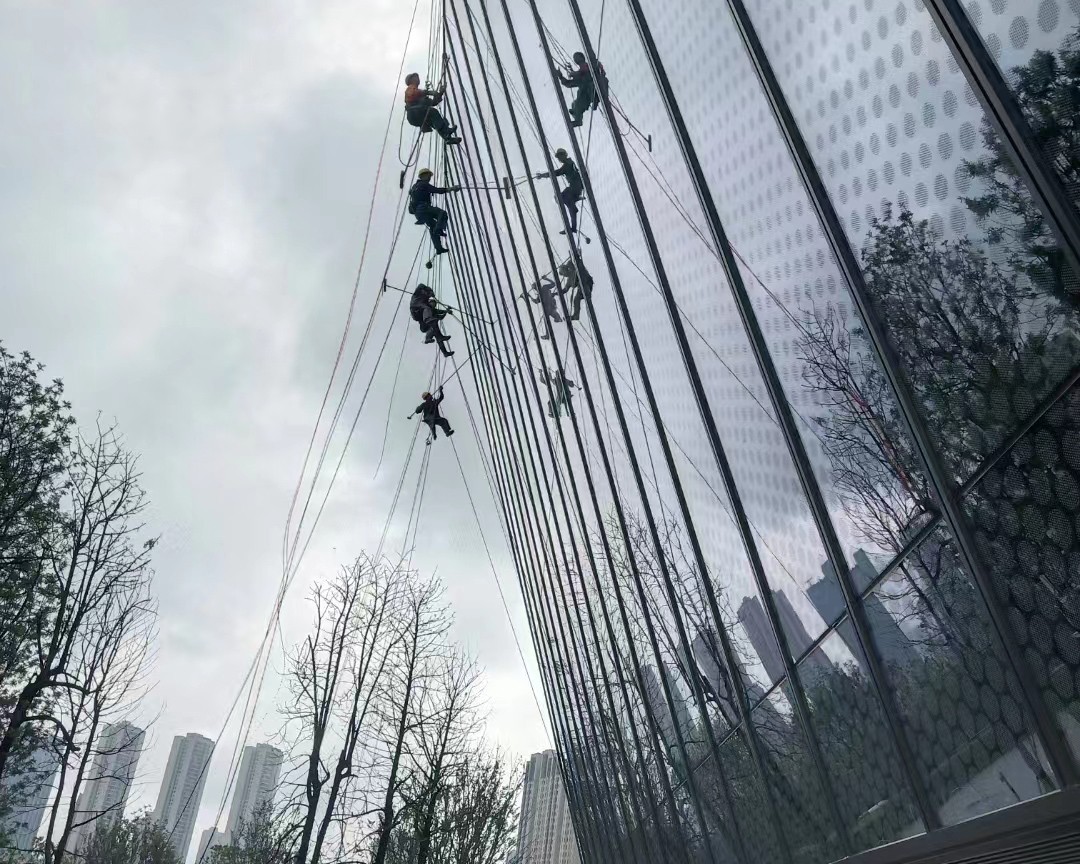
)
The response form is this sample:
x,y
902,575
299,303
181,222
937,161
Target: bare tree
x,y
374,634
447,726
418,656
111,662
475,819
96,557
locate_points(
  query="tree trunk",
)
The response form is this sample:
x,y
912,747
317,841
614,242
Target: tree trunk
x,y
388,801
18,717
313,791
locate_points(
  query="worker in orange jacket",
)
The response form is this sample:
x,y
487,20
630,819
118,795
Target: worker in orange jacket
x,y
421,112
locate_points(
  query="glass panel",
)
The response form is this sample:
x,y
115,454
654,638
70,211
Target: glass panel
x,y
1037,46
961,706
795,784
874,797
1026,514
753,813
972,296
843,408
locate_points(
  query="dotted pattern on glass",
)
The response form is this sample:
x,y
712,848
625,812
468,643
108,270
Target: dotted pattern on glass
x,y
901,142
797,791
1026,514
961,705
872,792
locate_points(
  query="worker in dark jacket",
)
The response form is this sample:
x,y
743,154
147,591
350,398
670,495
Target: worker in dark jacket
x,y
429,413
425,313
561,387
546,292
582,79
574,189
427,213
421,112
580,283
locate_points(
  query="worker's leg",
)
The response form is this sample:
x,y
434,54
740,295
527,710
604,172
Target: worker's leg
x,y
570,196
443,424
441,219
440,124
551,309
582,103
436,222
575,305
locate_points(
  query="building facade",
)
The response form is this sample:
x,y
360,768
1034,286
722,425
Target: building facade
x,y
27,795
801,558
108,784
256,784
182,787
545,832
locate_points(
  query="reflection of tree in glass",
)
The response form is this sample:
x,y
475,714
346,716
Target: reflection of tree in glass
x,y
977,353
1048,90
792,777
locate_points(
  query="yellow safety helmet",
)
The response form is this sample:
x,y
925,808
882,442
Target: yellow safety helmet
x,y
425,171
560,153
425,395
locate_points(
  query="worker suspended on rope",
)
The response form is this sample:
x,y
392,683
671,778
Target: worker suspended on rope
x,y
427,213
587,85
561,388
574,187
545,293
421,112
424,312
580,282
429,413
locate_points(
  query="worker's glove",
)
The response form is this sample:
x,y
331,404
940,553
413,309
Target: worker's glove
x,y
455,188
542,175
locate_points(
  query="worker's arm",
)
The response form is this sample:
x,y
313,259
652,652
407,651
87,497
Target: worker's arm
x,y
561,172
441,397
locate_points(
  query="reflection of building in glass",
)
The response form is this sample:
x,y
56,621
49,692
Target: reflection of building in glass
x,y
27,794
880,312
892,643
753,618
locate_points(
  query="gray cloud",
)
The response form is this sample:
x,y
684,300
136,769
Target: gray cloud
x,y
184,190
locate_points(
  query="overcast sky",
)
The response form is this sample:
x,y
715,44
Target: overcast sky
x,y
183,193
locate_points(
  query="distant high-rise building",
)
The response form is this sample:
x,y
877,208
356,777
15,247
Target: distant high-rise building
x,y
109,781
545,834
209,839
182,787
255,785
28,794
892,644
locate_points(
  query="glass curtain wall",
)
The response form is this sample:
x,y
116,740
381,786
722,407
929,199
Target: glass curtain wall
x,y
817,583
